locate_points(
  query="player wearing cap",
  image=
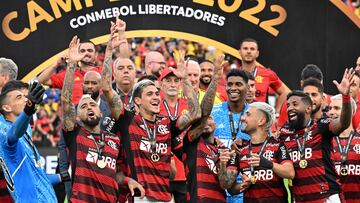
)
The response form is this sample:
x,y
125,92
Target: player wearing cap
x,y
263,161
309,145
346,153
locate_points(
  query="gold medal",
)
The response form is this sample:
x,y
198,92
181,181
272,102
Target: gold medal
x,y
343,171
252,179
101,163
155,157
303,163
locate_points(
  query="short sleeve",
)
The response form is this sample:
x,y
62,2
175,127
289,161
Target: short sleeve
x,y
275,82
57,80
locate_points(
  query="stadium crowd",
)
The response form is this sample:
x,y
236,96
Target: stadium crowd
x,y
168,120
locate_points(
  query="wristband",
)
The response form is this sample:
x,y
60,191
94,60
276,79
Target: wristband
x,y
126,180
346,98
266,163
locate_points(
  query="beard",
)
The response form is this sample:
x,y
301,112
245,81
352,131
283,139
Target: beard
x,y
157,74
91,122
299,122
93,95
204,82
317,108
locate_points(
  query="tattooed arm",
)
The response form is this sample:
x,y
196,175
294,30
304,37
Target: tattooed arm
x,y
208,100
112,98
194,111
69,114
226,176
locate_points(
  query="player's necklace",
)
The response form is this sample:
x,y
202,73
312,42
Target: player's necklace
x,y
172,117
155,157
344,153
252,173
301,146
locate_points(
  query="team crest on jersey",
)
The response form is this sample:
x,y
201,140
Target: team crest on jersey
x,y
259,79
211,164
269,155
113,145
162,129
356,148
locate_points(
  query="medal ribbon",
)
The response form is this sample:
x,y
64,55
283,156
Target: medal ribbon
x,y
100,147
172,117
260,153
151,136
232,125
302,145
344,151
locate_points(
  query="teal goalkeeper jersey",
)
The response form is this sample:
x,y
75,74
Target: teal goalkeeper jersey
x,y
26,180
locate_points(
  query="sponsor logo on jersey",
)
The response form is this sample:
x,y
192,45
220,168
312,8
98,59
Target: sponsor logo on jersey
x,y
93,157
161,148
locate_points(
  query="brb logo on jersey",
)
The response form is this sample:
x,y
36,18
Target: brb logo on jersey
x,y
161,148
93,157
262,175
295,155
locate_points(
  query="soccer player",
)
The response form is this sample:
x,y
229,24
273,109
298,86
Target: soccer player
x,y
309,144
148,138
315,90
93,152
20,160
227,115
264,78
263,161
346,153
201,150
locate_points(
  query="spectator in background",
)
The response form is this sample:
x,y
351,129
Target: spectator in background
x,y
358,64
124,75
206,76
154,63
8,71
193,71
44,130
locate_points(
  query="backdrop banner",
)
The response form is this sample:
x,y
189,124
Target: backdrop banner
x,y
290,33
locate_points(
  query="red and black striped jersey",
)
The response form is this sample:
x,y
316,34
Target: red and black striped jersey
x,y
92,177
318,180
154,176
350,184
201,168
269,187
4,192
